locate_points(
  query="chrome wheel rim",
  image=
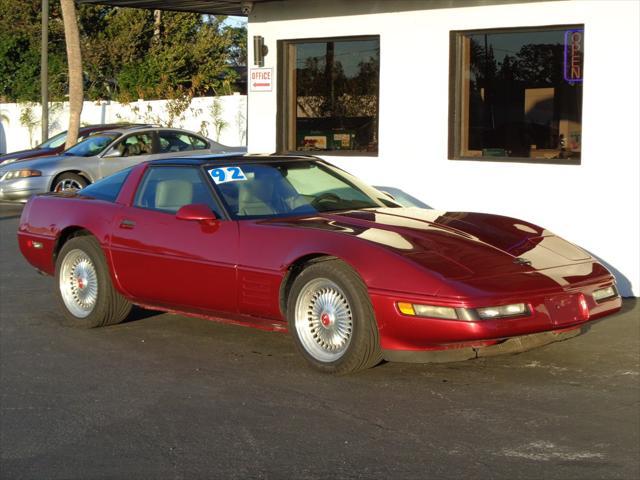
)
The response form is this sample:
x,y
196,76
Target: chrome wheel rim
x,y
324,320
78,283
67,184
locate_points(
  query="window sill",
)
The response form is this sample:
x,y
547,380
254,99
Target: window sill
x,y
538,161
331,153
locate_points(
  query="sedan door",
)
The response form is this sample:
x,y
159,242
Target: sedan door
x,y
169,262
129,151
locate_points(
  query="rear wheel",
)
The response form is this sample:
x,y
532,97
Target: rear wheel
x,y
331,319
68,182
84,289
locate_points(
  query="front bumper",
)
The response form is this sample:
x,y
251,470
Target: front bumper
x,y
21,189
551,313
460,353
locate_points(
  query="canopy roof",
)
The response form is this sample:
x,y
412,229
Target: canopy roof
x,y
213,7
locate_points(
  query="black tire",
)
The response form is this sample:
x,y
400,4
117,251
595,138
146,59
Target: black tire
x,y
109,307
362,350
68,178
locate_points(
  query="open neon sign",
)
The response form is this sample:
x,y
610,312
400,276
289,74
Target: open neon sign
x,y
573,55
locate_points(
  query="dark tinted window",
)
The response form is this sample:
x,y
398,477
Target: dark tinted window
x,y
169,188
332,95
179,142
519,94
108,188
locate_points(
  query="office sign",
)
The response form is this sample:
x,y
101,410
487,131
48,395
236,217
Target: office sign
x,y
260,79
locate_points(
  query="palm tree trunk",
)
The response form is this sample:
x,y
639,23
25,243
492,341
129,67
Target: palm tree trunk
x,y
74,60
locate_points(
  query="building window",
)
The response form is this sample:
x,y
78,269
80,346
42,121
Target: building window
x,y
329,91
517,95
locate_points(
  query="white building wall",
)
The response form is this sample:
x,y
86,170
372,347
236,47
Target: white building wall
x,y
19,134
595,204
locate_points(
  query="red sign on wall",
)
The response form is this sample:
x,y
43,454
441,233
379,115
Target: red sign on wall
x,y
261,79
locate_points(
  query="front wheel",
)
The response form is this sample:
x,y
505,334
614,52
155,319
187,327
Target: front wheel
x,y
84,289
68,182
331,319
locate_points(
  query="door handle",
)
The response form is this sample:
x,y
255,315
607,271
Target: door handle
x,y
129,224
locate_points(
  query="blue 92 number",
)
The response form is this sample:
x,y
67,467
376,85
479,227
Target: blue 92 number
x,y
218,175
227,174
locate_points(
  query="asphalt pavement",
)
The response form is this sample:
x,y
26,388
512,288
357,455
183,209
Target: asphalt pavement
x,y
168,397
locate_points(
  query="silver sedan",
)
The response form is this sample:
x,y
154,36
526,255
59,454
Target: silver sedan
x,y
100,155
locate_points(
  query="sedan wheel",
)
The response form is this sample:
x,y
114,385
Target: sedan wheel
x,y
331,318
69,182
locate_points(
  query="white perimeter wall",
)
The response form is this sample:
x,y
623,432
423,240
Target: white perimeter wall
x,y
14,135
596,204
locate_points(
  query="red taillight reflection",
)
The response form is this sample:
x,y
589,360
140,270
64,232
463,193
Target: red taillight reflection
x,y
584,308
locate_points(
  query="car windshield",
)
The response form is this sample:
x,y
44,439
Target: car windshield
x,y
55,141
91,146
283,188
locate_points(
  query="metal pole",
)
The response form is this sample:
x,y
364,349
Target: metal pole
x,y
44,70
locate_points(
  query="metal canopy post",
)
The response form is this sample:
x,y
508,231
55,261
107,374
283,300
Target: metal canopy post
x,y
44,70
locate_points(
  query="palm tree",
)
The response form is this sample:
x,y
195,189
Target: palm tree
x,y
74,60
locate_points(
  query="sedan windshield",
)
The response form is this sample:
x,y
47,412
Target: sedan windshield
x,y
91,146
54,141
283,188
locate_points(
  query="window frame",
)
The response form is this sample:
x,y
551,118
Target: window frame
x,y
456,94
283,98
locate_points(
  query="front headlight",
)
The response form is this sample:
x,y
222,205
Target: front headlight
x,y
431,311
464,314
513,310
26,173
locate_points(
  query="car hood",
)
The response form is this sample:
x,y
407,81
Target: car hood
x,y
456,245
46,164
22,154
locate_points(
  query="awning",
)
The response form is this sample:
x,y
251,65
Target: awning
x,y
212,7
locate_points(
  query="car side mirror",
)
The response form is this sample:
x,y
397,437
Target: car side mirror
x,y
112,153
198,212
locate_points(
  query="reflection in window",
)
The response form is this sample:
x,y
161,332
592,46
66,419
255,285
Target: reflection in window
x,y
332,95
519,94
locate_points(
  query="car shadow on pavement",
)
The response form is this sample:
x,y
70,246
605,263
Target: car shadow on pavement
x,y
139,313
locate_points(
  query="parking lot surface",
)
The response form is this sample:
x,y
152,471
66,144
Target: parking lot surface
x,y
168,397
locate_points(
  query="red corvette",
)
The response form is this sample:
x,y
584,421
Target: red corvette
x,y
295,243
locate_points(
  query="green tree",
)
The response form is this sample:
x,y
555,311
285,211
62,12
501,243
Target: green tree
x,y
20,51
127,53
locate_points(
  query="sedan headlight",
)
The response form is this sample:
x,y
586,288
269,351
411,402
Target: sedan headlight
x,y
26,173
605,293
513,310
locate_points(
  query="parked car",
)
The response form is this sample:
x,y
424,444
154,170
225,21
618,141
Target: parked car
x,y
99,155
54,145
294,243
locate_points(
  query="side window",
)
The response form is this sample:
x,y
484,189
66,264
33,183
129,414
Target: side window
x,y
517,95
134,145
179,142
107,188
197,143
169,188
